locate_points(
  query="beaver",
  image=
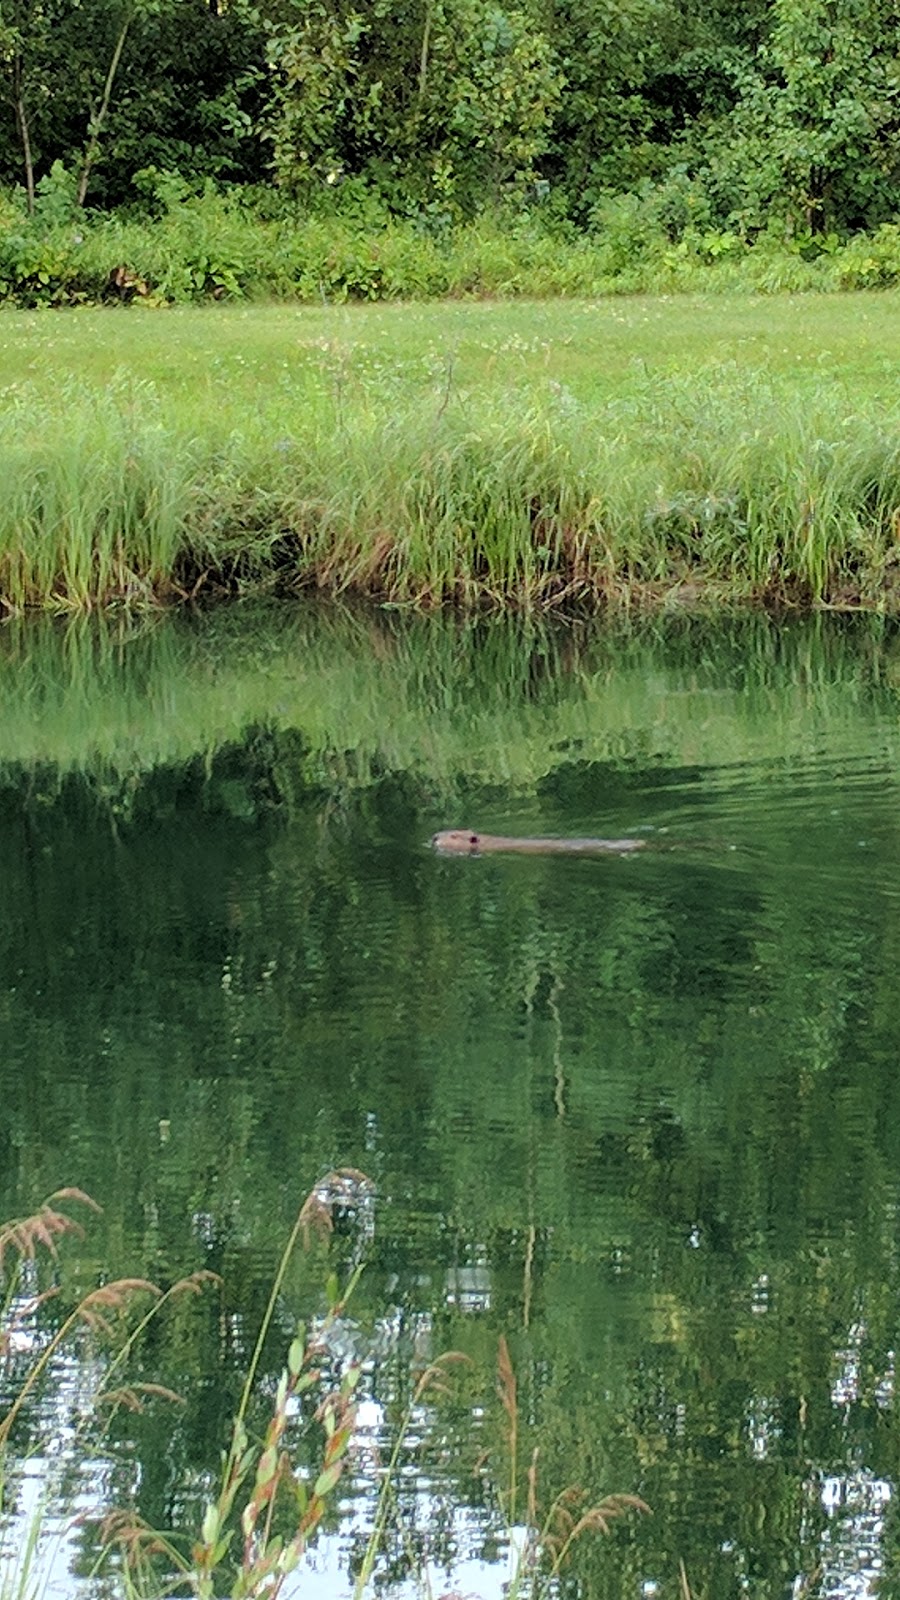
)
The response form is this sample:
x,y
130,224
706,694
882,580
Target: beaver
x,y
463,842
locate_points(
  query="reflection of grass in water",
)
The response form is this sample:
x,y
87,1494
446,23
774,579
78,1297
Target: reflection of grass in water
x,y
544,454
504,703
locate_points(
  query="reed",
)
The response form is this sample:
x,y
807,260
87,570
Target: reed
x,y
261,1521
726,487
95,503
242,1542
32,1347
543,1535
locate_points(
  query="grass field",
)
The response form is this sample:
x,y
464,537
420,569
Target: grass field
x,y
549,452
253,355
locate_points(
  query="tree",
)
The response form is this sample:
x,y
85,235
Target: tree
x,y
818,122
108,87
26,41
645,79
448,100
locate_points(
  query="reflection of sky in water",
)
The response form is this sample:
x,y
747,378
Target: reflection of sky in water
x,y
38,1483
322,1575
846,1387
640,1115
851,1546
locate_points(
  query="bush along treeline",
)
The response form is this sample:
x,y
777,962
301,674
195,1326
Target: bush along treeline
x,y
176,148
214,245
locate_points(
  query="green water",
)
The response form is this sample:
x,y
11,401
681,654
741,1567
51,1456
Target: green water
x,y
641,1116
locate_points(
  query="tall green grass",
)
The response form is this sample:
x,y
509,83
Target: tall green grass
x,y
720,483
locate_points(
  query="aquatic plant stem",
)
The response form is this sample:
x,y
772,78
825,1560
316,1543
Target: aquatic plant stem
x,y
433,1377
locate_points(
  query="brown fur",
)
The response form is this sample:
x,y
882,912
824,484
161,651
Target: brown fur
x,y
463,842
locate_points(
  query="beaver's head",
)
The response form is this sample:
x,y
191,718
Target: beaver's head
x,y
455,842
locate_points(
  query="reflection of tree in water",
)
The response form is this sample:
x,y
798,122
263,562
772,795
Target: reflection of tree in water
x,y
641,1118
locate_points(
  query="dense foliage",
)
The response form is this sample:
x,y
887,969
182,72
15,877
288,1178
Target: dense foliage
x,y
723,116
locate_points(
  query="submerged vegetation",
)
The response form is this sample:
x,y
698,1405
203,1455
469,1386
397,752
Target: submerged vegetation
x,y
488,463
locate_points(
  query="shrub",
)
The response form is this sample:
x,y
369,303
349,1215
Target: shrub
x,y
869,261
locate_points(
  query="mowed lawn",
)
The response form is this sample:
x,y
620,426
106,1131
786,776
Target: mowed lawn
x,y
221,360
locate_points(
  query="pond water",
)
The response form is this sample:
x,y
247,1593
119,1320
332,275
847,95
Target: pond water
x,y
640,1116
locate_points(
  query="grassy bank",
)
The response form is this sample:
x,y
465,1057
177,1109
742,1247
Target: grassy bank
x,y
535,454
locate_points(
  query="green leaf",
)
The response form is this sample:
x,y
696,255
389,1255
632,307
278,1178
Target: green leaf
x,y
209,1531
290,1555
221,1548
268,1462
326,1480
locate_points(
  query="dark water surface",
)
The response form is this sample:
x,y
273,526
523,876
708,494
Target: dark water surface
x,y
641,1116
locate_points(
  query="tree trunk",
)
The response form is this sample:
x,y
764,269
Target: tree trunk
x,y
99,117
423,54
24,134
